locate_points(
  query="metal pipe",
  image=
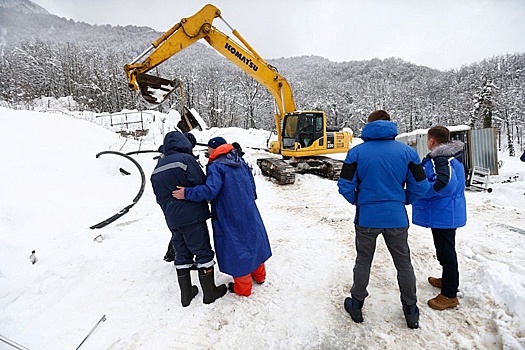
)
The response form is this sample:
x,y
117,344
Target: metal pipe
x,y
244,42
92,329
282,101
12,343
229,26
143,54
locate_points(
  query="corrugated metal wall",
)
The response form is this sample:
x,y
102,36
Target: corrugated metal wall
x,y
421,145
484,149
480,147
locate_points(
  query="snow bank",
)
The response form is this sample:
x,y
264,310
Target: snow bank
x,y
53,189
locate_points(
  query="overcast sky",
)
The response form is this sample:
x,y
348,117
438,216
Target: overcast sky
x,y
442,34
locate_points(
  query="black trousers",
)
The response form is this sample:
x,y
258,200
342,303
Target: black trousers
x,y
192,242
445,243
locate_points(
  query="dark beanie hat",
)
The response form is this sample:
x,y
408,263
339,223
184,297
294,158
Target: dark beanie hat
x,y
191,138
216,142
238,148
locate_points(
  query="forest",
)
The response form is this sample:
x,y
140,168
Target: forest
x,y
86,62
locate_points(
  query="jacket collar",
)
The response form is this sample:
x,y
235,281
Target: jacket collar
x,y
447,149
219,151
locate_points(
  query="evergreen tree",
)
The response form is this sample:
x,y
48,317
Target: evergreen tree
x,y
484,104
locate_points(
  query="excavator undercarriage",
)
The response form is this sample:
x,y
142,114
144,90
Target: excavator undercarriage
x,y
284,171
278,169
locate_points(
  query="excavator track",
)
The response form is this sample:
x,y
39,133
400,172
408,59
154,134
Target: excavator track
x,y
321,166
284,172
331,168
278,169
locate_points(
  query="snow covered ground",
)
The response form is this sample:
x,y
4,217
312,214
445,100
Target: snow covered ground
x,y
53,188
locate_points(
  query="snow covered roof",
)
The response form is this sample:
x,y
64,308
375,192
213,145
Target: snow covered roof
x,y
454,128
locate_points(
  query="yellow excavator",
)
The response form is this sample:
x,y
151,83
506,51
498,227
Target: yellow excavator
x,y
302,136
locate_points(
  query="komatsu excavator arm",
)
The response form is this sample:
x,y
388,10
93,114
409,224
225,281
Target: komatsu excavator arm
x,y
301,135
190,30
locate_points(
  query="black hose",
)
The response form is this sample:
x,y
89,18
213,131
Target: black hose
x,y
143,151
135,200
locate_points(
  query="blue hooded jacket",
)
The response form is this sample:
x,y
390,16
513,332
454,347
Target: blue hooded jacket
x,y
178,167
240,238
381,176
444,205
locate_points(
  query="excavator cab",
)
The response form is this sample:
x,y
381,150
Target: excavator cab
x,y
302,129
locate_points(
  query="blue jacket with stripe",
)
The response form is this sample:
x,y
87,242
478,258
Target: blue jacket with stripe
x,y
381,176
178,167
444,204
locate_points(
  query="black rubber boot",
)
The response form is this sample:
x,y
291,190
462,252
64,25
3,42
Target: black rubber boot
x,y
411,315
211,292
187,291
353,307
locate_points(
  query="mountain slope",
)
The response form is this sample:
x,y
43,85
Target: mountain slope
x,y
23,6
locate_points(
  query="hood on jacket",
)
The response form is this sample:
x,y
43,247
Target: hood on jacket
x,y
175,141
226,154
379,130
448,149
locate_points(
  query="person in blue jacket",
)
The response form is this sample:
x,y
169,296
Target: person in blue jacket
x,y
170,253
381,176
240,238
443,209
186,220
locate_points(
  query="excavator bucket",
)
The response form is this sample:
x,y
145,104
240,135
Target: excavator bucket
x,y
154,89
188,121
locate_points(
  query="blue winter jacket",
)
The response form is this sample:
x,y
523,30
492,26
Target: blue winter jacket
x,y
444,205
241,241
176,168
381,176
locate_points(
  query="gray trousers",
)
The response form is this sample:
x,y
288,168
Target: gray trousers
x,y
397,244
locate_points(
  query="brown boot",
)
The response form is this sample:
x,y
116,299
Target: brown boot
x,y
441,302
436,282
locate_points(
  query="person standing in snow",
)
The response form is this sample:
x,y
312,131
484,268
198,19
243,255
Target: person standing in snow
x,y
443,209
170,253
381,176
240,238
186,220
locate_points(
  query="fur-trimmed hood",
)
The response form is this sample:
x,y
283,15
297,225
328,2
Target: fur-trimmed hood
x,y
448,149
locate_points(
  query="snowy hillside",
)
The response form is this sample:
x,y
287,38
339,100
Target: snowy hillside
x,y
24,6
53,188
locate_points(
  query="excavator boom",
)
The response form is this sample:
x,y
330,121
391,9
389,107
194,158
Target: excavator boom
x,y
300,134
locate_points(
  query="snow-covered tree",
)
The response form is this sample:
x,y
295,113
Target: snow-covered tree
x,y
484,104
